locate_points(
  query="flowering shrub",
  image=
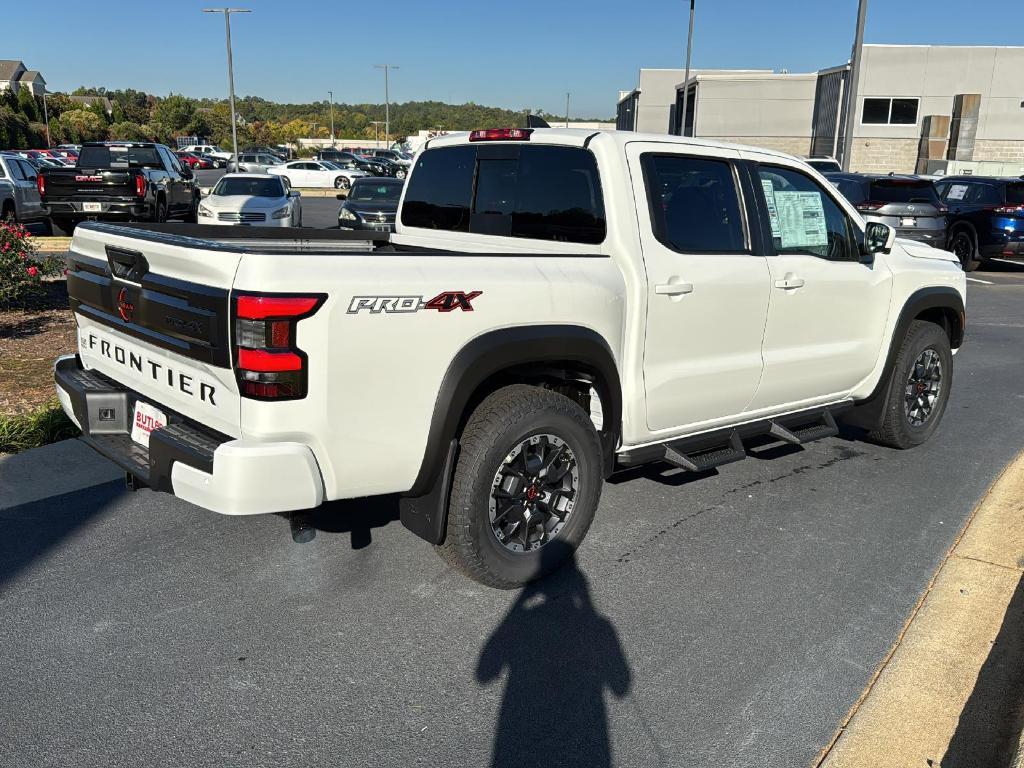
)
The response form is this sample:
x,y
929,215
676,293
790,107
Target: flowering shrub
x,y
22,269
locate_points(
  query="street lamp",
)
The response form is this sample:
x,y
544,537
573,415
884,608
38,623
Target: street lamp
x,y
686,78
231,71
376,130
331,94
46,118
851,85
566,110
387,102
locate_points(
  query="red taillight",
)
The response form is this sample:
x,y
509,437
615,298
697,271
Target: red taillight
x,y
501,134
140,186
41,184
870,205
270,365
262,307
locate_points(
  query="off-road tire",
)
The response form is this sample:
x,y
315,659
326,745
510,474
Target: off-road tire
x,y
160,211
966,249
896,430
500,423
9,215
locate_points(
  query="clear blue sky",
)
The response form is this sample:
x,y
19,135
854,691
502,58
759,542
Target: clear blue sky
x,y
511,53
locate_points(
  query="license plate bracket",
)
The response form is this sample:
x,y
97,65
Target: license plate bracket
x,y
145,419
92,207
908,221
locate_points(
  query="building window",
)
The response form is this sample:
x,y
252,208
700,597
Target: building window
x,y
889,112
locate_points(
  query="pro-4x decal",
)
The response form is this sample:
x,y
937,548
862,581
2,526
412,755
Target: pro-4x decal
x,y
446,301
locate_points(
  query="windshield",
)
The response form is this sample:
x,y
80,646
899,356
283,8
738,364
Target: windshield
x,y
375,193
904,191
234,185
119,157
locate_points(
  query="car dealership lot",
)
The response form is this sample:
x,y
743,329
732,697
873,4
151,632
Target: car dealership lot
x,y
728,620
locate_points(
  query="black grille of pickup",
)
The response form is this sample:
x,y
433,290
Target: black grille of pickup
x,y
186,318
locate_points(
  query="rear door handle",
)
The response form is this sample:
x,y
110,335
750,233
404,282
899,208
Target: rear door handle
x,y
790,282
673,289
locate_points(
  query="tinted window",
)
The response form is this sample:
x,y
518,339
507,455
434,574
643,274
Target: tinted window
x,y
876,111
3,173
441,189
16,171
1015,194
852,189
903,191
984,194
803,217
904,112
825,166
234,185
538,192
694,205
119,157
27,170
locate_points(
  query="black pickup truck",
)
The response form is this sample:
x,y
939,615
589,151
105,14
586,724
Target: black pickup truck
x,y
119,181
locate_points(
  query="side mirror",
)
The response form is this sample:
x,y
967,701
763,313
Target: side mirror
x,y
294,193
878,238
205,191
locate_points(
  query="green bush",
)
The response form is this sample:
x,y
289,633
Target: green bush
x,y
43,426
22,268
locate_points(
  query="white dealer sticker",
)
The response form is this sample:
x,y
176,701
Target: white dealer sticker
x,y
146,419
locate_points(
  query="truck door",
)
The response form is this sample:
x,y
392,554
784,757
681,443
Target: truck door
x,y
828,310
707,284
26,188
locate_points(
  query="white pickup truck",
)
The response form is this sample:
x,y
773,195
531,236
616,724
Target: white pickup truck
x,y
555,305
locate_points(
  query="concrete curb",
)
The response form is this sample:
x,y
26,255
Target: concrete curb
x,y
47,244
947,684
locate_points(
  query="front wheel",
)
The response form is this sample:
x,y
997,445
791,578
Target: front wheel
x,y
342,182
526,486
921,379
964,249
400,173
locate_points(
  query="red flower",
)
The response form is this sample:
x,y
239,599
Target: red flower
x,y
32,271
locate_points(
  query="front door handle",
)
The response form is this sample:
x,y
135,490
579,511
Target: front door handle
x,y
789,282
673,289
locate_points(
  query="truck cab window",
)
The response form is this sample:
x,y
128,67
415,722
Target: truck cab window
x,y
693,203
803,217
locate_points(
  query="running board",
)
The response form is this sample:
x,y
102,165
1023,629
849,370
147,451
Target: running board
x,y
702,461
699,453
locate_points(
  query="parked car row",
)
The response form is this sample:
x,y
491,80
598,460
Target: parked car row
x,y
975,217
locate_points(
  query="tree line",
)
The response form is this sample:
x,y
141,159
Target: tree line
x,y
139,116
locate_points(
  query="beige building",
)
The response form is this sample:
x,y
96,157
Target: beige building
x,y
918,108
14,77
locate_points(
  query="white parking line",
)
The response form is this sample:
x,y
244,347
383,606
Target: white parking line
x,y
1007,261
976,280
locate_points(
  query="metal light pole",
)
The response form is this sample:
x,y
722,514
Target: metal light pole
x,y
851,85
566,110
387,102
231,72
331,94
686,78
46,118
376,130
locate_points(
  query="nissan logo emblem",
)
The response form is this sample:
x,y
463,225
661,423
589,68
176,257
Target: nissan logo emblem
x,y
124,307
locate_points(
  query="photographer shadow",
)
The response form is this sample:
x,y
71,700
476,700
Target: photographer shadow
x,y
559,655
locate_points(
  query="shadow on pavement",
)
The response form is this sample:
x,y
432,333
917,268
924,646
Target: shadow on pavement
x,y
356,516
991,720
28,531
560,655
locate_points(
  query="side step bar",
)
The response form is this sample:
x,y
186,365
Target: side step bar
x,y
700,453
701,461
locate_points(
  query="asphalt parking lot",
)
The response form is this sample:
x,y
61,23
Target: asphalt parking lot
x,y
725,620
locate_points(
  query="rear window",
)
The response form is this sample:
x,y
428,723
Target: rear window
x,y
119,157
1015,194
853,190
903,191
530,191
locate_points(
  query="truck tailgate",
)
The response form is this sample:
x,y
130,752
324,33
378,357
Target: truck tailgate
x,y
155,317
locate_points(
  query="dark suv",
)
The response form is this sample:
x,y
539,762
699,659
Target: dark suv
x,y
986,217
348,159
906,203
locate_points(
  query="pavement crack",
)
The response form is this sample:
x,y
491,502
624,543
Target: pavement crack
x,y
1004,566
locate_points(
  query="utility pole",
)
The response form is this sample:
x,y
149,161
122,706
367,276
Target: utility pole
x,y
566,110
46,118
231,73
387,102
851,85
331,94
686,77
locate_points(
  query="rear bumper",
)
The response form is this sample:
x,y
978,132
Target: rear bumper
x,y
232,477
109,210
1010,244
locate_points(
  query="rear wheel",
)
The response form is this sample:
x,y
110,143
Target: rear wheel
x,y
922,377
47,227
965,249
67,226
526,486
9,215
160,211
